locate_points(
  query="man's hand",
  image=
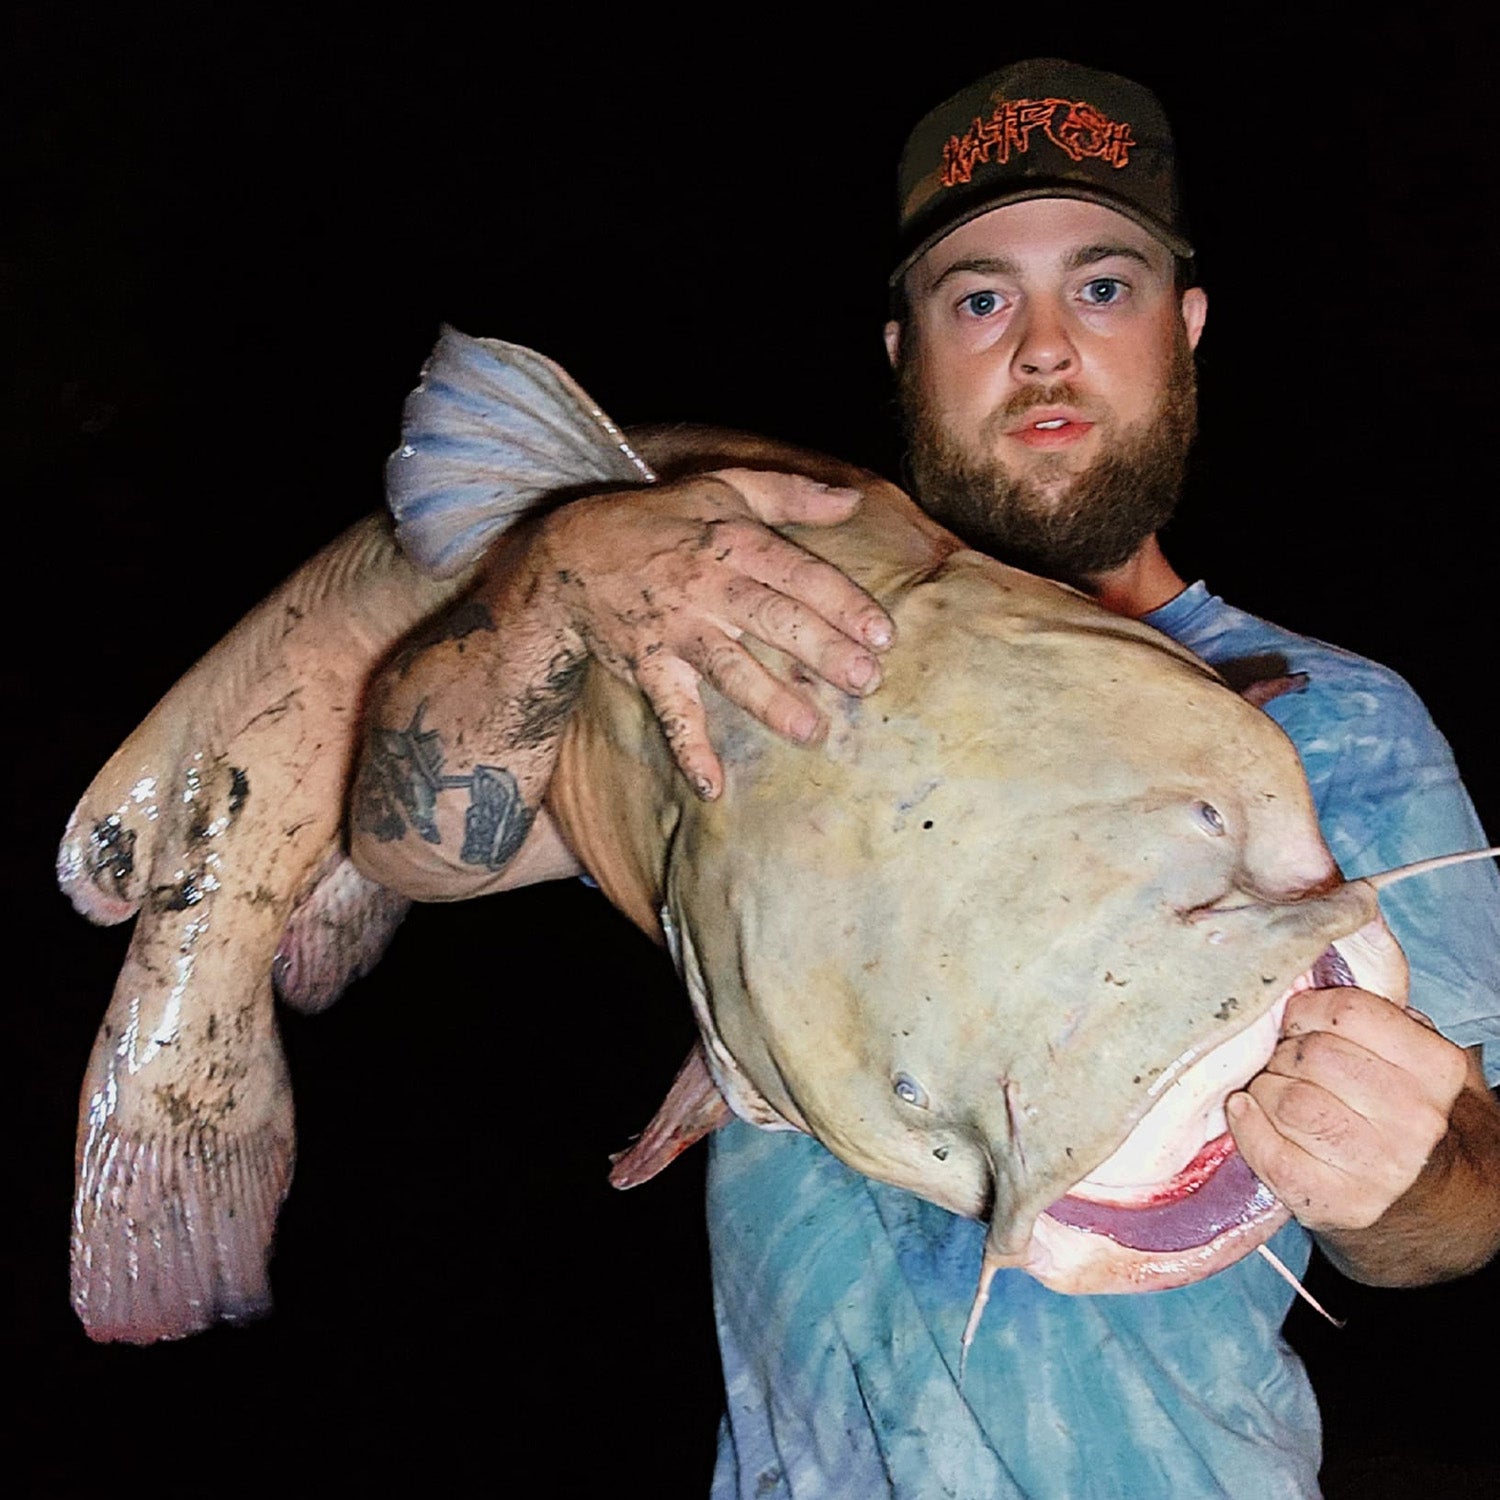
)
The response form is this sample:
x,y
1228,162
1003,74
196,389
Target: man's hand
x,y
662,583
1350,1107
1379,1135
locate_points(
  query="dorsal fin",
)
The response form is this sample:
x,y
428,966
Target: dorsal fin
x,y
491,429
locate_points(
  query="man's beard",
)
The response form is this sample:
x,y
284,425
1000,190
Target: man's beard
x,y
1074,529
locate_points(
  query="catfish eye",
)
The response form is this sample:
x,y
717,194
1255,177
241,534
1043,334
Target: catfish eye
x,y
1209,818
909,1091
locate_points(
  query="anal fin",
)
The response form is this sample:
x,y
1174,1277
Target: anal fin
x,y
335,934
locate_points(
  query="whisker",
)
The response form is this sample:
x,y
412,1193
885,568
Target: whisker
x,y
1296,1285
981,1296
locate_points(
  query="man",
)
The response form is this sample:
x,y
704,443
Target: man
x,y
1043,337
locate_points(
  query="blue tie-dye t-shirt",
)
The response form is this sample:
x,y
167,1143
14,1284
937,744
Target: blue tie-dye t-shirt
x,y
841,1302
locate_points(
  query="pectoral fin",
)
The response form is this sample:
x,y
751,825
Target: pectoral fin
x,y
693,1108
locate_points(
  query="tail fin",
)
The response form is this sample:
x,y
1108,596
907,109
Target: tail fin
x,y
185,1149
172,1233
491,429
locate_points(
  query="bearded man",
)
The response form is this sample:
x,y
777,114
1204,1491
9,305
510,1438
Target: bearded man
x,y
1045,319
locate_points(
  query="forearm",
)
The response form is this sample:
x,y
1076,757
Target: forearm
x,y
462,730
1448,1222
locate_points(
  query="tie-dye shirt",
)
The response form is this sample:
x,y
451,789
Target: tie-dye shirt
x,y
841,1302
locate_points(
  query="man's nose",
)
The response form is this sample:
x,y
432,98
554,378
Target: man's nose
x,y
1044,349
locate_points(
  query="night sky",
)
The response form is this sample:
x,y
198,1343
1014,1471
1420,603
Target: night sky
x,y
229,246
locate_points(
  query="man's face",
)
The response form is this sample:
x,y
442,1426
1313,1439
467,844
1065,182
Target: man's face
x,y
1047,384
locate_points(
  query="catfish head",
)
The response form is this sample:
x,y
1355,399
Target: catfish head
x,y
1051,870
1010,937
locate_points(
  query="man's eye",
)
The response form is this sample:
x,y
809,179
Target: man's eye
x,y
1103,290
981,304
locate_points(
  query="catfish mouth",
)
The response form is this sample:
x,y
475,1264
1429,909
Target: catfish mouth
x,y
1115,1231
1216,1193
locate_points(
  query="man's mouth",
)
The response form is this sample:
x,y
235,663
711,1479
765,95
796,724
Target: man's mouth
x,y
1043,428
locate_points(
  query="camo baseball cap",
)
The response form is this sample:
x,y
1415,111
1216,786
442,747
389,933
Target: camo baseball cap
x,y
1043,128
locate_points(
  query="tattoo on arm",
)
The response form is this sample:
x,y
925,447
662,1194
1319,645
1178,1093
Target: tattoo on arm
x,y
496,822
399,785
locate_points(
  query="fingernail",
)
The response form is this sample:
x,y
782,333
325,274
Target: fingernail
x,y
704,788
863,674
833,489
877,630
805,726
1236,1105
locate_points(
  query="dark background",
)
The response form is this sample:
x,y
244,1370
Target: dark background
x,y
231,244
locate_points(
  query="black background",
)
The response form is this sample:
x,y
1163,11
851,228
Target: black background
x,y
232,242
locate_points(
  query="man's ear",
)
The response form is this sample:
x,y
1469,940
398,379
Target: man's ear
x,y
893,342
1194,313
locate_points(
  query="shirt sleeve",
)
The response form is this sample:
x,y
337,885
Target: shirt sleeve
x,y
1388,792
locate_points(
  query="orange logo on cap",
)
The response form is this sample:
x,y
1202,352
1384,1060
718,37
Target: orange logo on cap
x,y
1073,126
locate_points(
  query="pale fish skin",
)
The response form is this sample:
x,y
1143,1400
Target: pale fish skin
x,y
967,942
974,940
218,822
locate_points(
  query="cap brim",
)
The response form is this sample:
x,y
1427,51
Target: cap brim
x,y
1031,191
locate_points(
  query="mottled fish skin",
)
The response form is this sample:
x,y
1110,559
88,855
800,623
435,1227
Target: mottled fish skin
x,y
955,941
216,823
815,918
219,822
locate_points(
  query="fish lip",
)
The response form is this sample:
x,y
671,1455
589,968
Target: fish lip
x,y
1077,1261
1218,1182
1189,1179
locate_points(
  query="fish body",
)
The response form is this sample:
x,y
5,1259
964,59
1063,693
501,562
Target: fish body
x,y
992,942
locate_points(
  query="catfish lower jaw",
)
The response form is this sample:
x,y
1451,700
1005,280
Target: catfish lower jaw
x,y
1081,1262
1210,1215
1223,1194
1127,1227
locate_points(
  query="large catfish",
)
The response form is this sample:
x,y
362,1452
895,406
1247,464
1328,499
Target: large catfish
x,y
1007,939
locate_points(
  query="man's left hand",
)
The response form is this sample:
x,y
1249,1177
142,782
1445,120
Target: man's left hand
x,y
1350,1107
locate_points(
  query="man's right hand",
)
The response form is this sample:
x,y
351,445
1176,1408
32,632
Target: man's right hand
x,y
662,583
